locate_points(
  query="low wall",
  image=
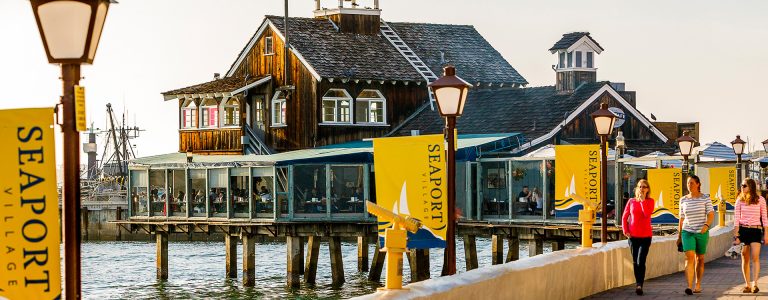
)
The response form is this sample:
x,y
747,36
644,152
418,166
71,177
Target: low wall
x,y
564,274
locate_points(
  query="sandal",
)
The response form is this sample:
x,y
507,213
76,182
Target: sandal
x,y
755,289
697,291
688,292
746,290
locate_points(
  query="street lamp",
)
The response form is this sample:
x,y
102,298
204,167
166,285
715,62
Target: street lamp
x,y
685,143
621,145
738,149
603,120
70,30
450,94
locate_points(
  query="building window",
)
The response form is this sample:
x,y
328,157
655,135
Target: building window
x,y
259,111
336,106
590,63
578,59
268,46
231,112
370,107
189,114
209,114
562,59
570,59
279,107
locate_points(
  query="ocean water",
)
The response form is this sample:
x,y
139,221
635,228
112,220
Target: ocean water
x,y
196,270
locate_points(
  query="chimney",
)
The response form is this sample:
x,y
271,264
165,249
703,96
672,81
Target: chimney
x,y
352,18
216,76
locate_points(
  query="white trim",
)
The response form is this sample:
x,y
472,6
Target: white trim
x,y
256,37
347,11
585,40
254,84
337,107
380,99
355,124
566,69
223,112
580,109
276,98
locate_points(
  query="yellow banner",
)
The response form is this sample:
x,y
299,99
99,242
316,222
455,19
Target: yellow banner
x,y
577,171
411,181
29,213
723,185
666,189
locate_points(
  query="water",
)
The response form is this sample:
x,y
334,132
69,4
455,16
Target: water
x,y
196,270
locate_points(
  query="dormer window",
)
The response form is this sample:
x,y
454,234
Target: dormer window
x,y
231,112
590,60
189,114
336,106
570,59
209,113
269,48
279,108
578,59
370,107
562,60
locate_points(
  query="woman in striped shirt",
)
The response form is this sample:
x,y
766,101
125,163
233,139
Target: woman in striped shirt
x,y
750,218
696,216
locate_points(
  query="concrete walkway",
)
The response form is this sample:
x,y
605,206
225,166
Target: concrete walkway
x,y
722,280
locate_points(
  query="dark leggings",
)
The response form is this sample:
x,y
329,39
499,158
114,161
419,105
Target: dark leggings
x,y
639,248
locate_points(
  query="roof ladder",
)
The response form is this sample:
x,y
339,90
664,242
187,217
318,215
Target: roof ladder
x,y
411,57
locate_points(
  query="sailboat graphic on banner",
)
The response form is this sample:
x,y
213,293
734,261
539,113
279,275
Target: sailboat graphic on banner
x,y
660,210
424,237
567,202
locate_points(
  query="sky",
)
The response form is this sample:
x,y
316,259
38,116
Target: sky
x,y
687,60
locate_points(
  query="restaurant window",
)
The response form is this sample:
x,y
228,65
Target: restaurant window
x,y
197,185
238,196
347,189
370,107
578,59
139,195
309,194
217,194
282,193
231,112
269,47
590,62
336,106
189,114
157,193
209,113
279,107
177,192
262,185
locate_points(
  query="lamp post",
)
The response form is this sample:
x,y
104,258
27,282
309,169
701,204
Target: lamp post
x,y
70,30
765,147
603,120
619,170
450,94
738,149
686,143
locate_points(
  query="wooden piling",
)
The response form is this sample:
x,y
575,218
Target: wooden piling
x,y
535,246
513,253
362,253
418,261
378,263
470,251
301,254
119,216
230,243
337,264
497,249
313,250
162,255
557,245
249,259
293,245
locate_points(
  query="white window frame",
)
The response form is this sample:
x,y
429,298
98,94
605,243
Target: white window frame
x,y
223,117
269,46
278,103
336,108
193,115
368,101
206,115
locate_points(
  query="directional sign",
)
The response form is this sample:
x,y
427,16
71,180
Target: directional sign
x,y
619,116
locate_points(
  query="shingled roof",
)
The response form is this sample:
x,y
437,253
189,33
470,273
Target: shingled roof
x,y
345,55
569,39
223,85
531,111
461,45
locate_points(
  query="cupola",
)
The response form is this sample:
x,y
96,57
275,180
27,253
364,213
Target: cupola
x,y
576,53
350,17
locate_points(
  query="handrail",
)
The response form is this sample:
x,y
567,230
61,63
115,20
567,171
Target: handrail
x,y
257,146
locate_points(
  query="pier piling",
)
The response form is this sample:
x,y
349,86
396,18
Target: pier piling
x,y
293,245
230,243
470,251
313,250
418,261
249,259
535,246
362,253
337,264
497,249
513,253
378,263
558,245
162,255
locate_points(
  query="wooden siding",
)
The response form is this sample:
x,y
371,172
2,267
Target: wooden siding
x,y
570,80
362,24
582,128
223,140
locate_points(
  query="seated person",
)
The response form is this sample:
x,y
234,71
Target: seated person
x,y
537,202
524,197
264,193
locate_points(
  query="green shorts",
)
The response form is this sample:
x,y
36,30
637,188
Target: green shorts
x,y
695,241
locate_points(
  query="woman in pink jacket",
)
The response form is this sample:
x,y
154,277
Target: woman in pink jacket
x,y
750,221
636,224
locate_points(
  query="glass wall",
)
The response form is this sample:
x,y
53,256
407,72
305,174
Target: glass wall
x,y
549,195
197,185
282,193
494,189
527,186
262,194
347,189
238,197
461,189
139,195
309,190
217,183
157,192
177,192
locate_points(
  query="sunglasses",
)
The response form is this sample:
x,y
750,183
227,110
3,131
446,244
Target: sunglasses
x,y
643,186
743,185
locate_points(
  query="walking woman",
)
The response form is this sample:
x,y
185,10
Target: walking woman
x,y
636,224
750,218
696,216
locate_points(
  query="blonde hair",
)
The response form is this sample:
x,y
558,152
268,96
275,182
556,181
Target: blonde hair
x,y
638,190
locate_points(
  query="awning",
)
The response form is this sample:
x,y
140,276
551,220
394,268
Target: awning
x,y
716,152
224,87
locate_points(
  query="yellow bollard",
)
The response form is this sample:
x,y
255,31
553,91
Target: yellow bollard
x,y
721,213
586,218
394,245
